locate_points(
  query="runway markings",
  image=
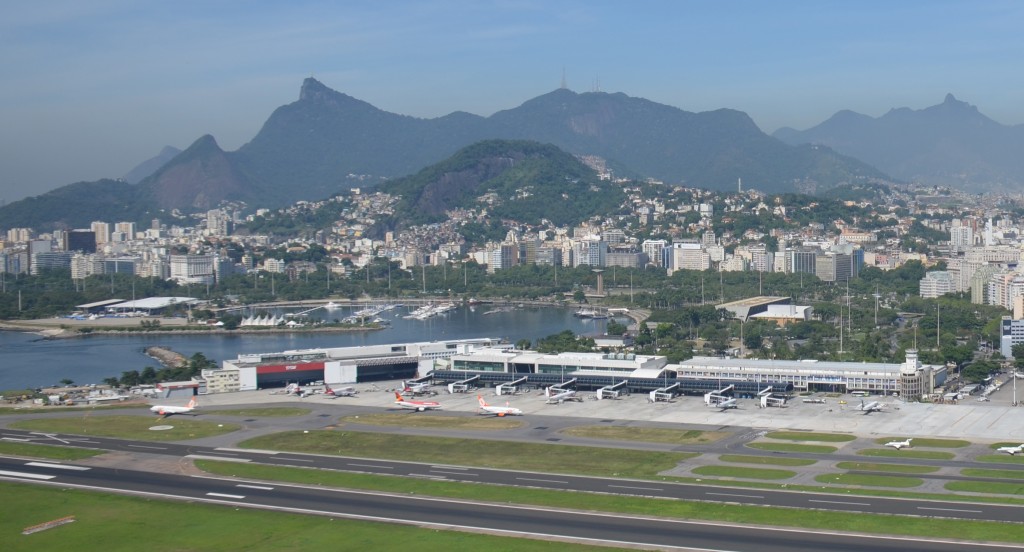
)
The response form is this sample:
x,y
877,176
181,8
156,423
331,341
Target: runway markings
x,y
949,510
219,452
147,447
218,458
57,466
637,488
734,495
222,495
259,487
27,475
839,502
371,466
449,468
456,473
294,459
543,480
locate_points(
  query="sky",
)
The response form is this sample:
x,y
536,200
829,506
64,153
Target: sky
x,y
91,88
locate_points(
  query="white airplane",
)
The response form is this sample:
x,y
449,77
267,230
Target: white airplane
x,y
165,411
900,444
418,406
340,392
1012,451
873,406
561,396
295,389
726,404
499,411
415,389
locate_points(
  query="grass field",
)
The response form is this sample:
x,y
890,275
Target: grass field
x,y
808,436
1000,445
869,480
793,447
129,427
475,452
1000,459
645,434
922,442
987,487
920,454
894,468
766,460
810,519
46,451
268,412
743,472
436,421
114,523
55,409
999,474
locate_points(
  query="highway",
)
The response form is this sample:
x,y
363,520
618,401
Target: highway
x,y
630,487
457,514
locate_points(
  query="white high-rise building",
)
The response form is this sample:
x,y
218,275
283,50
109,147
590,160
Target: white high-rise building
x,y
192,269
936,283
102,231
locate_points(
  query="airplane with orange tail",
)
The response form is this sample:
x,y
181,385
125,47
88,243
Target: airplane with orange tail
x,y
500,411
418,406
165,411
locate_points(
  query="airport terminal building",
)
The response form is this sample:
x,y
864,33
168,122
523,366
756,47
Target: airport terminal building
x,y
360,364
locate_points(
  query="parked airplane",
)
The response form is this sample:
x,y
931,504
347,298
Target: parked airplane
x,y
500,411
418,406
727,404
165,411
415,389
899,444
1012,451
873,406
561,396
339,392
295,389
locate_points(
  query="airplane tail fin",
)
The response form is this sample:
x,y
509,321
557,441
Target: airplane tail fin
x,y
398,396
480,398
192,403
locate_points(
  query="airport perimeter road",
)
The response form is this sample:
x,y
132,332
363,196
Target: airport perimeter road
x,y
463,515
631,487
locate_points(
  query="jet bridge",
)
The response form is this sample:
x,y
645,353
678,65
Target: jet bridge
x,y
463,386
612,391
564,386
664,394
769,401
510,387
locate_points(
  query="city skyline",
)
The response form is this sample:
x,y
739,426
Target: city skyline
x,y
94,89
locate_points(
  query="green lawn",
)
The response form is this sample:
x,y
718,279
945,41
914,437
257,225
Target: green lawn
x,y
129,427
537,457
923,442
999,474
987,487
114,523
646,434
744,472
758,515
920,454
793,447
1000,445
895,468
435,420
55,409
1001,459
869,480
770,460
46,451
268,412
808,436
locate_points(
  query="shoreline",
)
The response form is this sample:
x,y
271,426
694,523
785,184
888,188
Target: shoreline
x,y
74,333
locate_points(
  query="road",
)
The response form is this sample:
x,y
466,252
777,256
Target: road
x,y
627,487
457,514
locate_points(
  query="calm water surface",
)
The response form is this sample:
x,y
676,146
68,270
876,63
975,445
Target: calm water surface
x,y
28,361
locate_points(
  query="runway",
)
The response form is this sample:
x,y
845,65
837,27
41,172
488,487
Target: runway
x,y
627,487
536,522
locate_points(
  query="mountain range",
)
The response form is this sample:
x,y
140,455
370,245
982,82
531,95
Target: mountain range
x,y
327,141
949,144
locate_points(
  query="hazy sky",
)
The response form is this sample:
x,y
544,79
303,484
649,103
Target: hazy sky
x,y
90,88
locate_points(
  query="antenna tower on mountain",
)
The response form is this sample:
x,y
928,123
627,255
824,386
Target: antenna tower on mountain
x,y
739,185
565,85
